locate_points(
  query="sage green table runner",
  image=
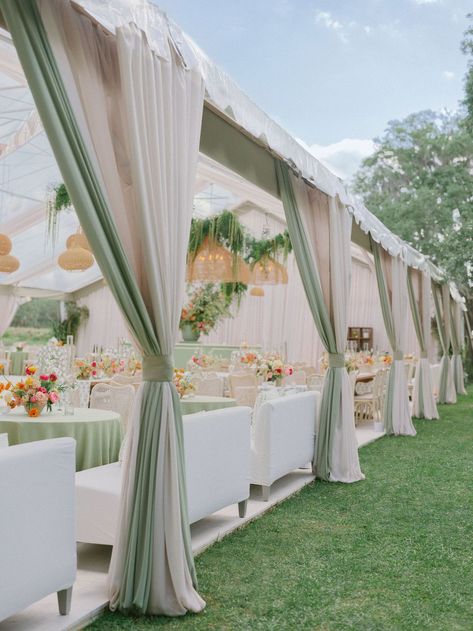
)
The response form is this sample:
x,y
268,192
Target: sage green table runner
x,y
97,433
204,403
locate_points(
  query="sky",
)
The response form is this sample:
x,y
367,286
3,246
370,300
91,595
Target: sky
x,y
334,72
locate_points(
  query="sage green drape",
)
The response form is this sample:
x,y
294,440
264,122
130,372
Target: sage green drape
x,y
83,184
423,399
336,448
392,288
441,296
457,347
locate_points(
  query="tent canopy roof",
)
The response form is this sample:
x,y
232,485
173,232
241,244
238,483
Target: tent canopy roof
x,y
28,170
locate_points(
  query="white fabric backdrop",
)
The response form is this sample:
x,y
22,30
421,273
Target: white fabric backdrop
x,y
8,306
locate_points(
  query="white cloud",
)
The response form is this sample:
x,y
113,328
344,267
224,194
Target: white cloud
x,y
448,75
426,1
344,157
326,19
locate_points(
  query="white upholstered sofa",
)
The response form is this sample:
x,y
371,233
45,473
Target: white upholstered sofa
x,y
37,538
283,437
217,452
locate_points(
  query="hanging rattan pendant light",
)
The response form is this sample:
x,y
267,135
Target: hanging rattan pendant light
x,y
267,271
213,263
8,262
77,257
257,291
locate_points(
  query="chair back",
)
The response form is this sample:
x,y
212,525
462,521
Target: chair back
x,y
212,386
131,380
115,398
241,380
246,395
316,382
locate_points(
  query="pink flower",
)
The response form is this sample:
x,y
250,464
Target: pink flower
x,y
53,397
94,364
44,377
289,370
42,389
94,373
52,377
34,399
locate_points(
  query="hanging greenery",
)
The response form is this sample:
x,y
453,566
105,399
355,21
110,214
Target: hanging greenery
x,y
278,247
58,202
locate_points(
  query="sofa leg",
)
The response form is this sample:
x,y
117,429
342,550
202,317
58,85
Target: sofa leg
x,y
242,506
265,490
64,601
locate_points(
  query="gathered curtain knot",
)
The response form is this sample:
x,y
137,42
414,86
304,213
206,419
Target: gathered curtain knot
x,y
398,355
424,355
336,360
158,368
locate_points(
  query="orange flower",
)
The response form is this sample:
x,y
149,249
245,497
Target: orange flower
x,y
8,385
1,387
33,412
20,385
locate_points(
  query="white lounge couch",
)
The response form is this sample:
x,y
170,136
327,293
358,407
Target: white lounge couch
x,y
283,437
217,452
37,532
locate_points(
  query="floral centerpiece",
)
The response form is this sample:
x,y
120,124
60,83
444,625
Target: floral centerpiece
x,y
249,359
133,365
7,396
110,366
183,382
202,360
207,305
272,368
36,393
85,369
20,346
386,359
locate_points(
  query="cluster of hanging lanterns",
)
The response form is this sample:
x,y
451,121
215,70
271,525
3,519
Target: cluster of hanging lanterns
x,y
213,263
8,262
77,257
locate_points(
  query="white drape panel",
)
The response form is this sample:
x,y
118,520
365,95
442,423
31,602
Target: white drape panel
x,y
402,422
105,323
141,115
345,462
328,232
457,321
424,387
8,307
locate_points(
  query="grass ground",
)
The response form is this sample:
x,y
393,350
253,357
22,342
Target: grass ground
x,y
28,335
391,553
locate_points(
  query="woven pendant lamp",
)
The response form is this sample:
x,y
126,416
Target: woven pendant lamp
x,y
78,240
213,263
267,271
75,259
8,262
257,291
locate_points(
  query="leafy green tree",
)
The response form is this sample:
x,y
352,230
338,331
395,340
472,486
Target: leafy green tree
x,y
467,49
419,183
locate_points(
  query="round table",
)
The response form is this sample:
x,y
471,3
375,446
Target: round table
x,y
204,403
98,433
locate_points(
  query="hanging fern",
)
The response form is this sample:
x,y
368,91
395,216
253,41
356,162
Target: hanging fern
x,y
58,202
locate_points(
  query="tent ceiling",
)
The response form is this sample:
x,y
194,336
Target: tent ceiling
x,y
28,170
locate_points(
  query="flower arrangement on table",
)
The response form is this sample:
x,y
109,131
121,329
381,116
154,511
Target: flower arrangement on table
x,y
202,360
20,346
85,369
207,305
386,359
183,382
36,393
272,368
133,365
249,359
7,396
110,366
352,362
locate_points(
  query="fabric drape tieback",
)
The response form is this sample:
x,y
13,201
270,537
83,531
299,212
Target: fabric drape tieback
x,y
336,360
424,355
398,355
158,368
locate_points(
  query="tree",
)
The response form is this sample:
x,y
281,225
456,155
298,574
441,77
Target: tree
x,y
467,49
419,183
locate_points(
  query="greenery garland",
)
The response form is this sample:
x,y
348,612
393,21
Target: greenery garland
x,y
59,201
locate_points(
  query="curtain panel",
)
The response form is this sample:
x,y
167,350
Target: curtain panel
x,y
457,346
423,399
9,304
124,124
320,231
441,294
391,274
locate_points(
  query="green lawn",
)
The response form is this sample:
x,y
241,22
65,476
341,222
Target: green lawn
x,y
392,552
